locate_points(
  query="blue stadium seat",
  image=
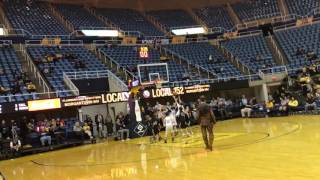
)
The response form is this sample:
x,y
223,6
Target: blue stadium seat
x,y
247,49
34,17
65,65
130,20
256,9
215,17
11,66
302,7
306,37
198,54
173,18
79,17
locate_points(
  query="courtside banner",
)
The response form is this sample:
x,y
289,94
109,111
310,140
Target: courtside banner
x,y
113,97
165,92
45,104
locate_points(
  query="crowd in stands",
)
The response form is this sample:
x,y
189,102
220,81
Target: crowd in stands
x,y
18,137
13,78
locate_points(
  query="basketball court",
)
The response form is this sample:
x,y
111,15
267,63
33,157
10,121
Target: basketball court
x,y
274,148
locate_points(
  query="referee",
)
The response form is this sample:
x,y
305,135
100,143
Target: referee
x,y
207,120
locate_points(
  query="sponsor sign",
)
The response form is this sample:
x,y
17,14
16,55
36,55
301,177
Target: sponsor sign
x,y
45,104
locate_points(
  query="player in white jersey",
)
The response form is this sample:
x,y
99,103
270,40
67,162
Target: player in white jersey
x,y
168,122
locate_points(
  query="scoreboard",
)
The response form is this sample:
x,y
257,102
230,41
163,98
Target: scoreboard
x,y
144,52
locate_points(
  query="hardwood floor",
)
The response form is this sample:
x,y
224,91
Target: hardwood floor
x,y
275,148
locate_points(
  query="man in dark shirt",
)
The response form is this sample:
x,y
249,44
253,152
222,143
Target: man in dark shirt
x,y
207,120
5,130
310,103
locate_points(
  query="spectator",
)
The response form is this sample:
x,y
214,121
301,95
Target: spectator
x,y
283,108
300,51
109,124
44,135
15,145
310,103
56,131
3,90
2,72
121,126
247,109
293,104
100,125
5,132
87,130
31,87
78,131
210,59
222,108
269,108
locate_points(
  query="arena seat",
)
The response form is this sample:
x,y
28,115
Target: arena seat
x,y
55,77
198,54
127,56
215,17
173,18
302,7
79,17
130,20
34,17
11,66
247,49
305,37
256,9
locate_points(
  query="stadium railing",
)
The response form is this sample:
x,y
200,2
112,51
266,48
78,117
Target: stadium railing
x,y
235,60
63,42
113,63
250,78
274,70
279,54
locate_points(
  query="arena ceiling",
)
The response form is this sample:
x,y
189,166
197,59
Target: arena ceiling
x,y
147,4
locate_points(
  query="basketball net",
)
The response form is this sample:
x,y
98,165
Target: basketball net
x,y
158,83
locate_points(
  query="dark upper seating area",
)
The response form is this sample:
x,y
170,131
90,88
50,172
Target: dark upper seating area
x,y
252,51
302,7
127,56
298,42
173,18
53,61
198,54
79,17
130,20
215,17
34,17
256,9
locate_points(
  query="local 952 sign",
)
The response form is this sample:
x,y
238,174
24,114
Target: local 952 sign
x,y
165,92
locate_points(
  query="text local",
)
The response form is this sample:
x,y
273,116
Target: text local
x,y
115,97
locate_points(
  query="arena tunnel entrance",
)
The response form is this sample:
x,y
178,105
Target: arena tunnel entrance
x,y
267,29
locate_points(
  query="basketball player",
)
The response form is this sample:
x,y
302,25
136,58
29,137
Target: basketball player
x,y
168,123
207,120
